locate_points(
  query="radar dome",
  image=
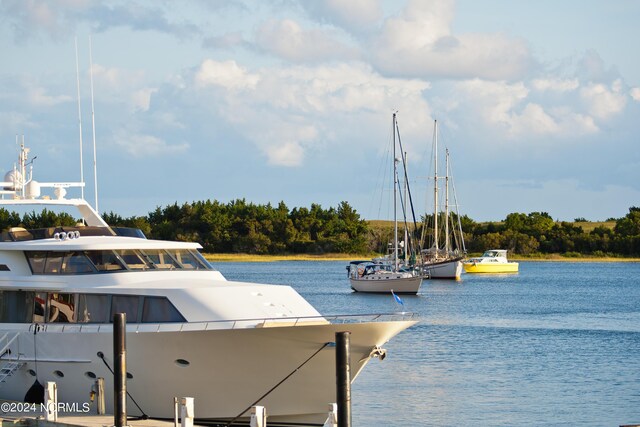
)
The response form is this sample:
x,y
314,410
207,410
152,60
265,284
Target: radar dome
x,y
12,176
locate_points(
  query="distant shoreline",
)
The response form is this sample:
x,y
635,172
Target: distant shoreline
x,y
351,257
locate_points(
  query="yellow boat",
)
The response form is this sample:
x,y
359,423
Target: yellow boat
x,y
492,261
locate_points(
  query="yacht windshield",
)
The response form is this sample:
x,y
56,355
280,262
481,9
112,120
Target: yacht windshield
x,y
108,261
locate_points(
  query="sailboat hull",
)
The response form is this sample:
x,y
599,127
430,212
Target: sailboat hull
x,y
449,269
399,285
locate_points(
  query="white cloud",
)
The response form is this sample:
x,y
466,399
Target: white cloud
x,y
421,43
506,107
288,112
38,97
117,78
603,102
287,39
226,74
30,17
15,122
353,15
555,84
342,88
635,93
141,99
495,100
139,145
287,154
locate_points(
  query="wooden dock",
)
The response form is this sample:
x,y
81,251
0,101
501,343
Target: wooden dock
x,y
77,421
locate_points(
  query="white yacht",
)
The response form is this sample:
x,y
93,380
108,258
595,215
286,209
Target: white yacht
x,y
190,332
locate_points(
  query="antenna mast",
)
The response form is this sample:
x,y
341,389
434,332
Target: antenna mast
x,y
93,124
79,120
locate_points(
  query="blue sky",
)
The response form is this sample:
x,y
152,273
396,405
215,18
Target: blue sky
x,y
538,102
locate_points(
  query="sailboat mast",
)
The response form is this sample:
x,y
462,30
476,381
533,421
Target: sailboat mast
x,y
406,229
446,204
435,187
395,196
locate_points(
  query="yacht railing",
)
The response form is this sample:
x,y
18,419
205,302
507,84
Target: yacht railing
x,y
225,324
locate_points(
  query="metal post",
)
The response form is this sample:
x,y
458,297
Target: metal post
x,y
258,417
51,400
186,412
100,397
176,408
120,369
332,419
343,379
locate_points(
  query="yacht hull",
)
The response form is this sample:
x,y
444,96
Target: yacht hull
x,y
226,370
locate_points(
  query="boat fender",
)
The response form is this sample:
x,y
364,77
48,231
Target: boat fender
x,y
35,394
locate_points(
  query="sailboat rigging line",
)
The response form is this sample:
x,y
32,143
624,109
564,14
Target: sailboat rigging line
x,y
278,385
455,199
406,179
406,226
93,126
144,415
382,172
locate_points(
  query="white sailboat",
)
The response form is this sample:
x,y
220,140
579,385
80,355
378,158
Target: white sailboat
x,y
224,343
386,277
443,259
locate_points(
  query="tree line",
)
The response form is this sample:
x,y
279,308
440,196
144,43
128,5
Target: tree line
x,y
243,227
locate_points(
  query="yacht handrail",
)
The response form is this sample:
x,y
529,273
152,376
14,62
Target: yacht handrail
x,y
220,324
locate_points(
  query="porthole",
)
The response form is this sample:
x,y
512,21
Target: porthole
x,y
32,372
129,376
182,363
58,374
90,374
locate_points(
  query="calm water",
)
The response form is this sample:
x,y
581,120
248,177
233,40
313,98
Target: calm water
x,y
556,344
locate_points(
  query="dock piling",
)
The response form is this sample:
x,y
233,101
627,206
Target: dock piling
x,y
343,379
120,369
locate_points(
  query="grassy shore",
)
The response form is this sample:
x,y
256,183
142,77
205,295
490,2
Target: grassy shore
x,y
561,258
350,257
271,258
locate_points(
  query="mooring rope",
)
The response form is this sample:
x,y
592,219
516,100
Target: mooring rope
x,y
144,416
278,385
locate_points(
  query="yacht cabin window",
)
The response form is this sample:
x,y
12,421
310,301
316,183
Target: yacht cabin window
x,y
94,308
160,259
54,307
104,260
128,304
76,262
62,308
16,306
159,309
